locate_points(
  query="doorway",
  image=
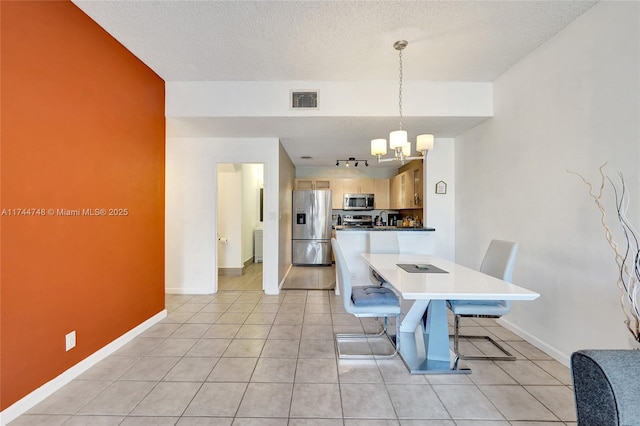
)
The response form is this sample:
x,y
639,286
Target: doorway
x,y
240,218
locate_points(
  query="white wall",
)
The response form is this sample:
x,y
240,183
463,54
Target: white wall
x,y
571,104
337,98
287,175
191,209
251,183
229,190
440,212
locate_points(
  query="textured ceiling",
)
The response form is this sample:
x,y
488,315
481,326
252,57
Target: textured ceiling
x,y
328,41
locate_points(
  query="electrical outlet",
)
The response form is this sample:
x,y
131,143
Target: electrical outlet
x,y
70,340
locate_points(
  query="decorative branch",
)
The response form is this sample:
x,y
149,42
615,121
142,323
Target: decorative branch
x,y
631,279
628,260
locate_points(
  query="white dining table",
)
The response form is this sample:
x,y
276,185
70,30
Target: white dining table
x,y
424,334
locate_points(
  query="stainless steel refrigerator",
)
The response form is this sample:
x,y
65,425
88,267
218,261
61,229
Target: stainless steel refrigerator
x,y
311,232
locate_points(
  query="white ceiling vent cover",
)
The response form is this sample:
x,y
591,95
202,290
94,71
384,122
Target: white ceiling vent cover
x,y
304,99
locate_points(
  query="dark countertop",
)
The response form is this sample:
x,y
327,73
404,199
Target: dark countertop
x,y
383,228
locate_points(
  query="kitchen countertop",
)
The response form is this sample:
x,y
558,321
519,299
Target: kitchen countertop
x,y
383,228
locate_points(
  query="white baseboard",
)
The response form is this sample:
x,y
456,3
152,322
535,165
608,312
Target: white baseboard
x,y
286,274
21,406
188,290
543,346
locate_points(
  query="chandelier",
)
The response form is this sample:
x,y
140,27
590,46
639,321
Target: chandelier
x,y
398,141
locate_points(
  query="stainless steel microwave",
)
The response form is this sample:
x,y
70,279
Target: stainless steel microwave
x,y
358,202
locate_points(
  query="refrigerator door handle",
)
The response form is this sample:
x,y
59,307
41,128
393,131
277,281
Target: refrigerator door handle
x,y
312,201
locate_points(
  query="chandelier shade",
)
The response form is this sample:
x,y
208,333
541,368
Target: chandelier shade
x,y
406,149
424,143
379,147
397,139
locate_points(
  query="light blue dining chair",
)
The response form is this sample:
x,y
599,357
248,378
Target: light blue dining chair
x,y
369,301
498,262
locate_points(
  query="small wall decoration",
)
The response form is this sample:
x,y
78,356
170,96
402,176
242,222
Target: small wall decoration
x,y
441,187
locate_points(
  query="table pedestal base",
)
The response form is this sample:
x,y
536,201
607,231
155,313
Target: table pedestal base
x,y
425,350
418,363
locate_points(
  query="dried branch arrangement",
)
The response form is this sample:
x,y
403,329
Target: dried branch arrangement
x,y
628,257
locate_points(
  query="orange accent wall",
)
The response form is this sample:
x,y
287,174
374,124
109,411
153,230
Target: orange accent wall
x,y
82,127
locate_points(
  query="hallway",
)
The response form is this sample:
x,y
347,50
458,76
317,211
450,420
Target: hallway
x,y
251,280
299,278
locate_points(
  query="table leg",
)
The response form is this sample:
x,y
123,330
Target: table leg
x,y
424,334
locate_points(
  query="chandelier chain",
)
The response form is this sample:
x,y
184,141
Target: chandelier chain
x,y
400,89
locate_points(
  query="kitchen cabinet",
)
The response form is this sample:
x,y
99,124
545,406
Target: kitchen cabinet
x,y
409,197
313,183
418,186
395,192
337,194
381,191
413,188
406,189
339,187
359,186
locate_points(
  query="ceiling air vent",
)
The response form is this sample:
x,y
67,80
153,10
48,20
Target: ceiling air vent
x,y
304,99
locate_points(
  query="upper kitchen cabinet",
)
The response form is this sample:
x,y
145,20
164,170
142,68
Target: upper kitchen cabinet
x,y
337,194
418,191
313,183
406,188
411,198
339,187
381,191
359,186
396,191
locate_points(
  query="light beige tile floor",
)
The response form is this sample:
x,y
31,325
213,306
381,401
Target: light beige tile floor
x,y
311,278
245,358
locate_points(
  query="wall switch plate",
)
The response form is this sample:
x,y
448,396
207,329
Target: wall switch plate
x,y
70,340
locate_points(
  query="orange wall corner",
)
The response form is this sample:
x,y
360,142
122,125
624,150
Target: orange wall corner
x,y
83,129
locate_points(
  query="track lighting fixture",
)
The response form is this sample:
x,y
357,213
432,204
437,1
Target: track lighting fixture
x,y
355,161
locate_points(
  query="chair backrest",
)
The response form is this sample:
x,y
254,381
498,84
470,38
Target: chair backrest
x,y
383,243
343,276
499,259
605,386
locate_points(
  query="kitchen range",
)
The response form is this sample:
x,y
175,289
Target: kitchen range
x,y
367,221
357,221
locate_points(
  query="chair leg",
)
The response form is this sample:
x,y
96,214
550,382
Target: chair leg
x,y
382,331
366,336
456,338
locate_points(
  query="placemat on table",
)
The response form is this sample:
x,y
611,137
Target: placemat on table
x,y
425,268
